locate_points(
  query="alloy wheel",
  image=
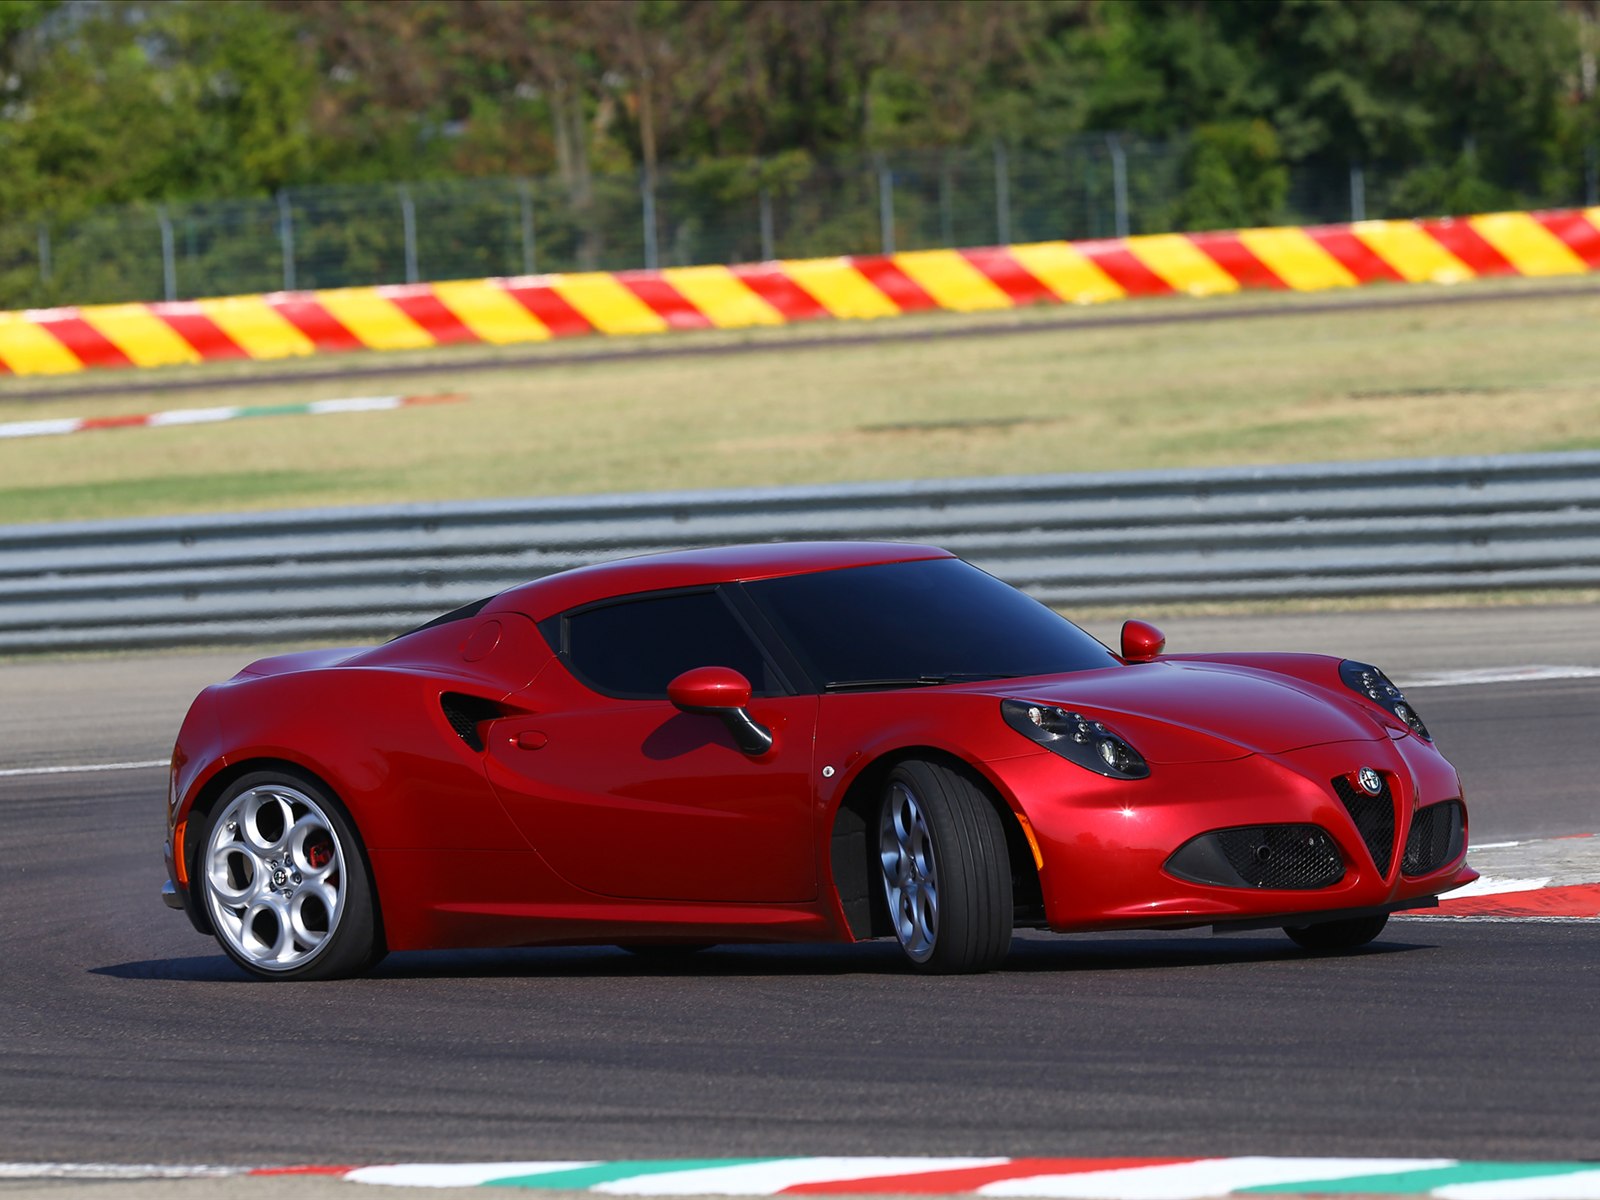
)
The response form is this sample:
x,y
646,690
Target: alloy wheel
x,y
910,872
274,875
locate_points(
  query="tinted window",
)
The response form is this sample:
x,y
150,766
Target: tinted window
x,y
638,647
921,621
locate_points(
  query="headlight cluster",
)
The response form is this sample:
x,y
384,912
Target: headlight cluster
x,y
1077,738
1376,686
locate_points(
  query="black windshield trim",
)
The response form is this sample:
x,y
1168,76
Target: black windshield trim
x,y
936,680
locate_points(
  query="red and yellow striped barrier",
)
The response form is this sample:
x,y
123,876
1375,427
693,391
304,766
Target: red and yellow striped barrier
x,y
537,308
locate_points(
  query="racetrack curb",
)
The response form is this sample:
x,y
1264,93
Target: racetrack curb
x,y
1081,1178
1535,879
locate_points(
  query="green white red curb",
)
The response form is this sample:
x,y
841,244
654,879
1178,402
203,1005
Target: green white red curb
x,y
204,416
1077,1178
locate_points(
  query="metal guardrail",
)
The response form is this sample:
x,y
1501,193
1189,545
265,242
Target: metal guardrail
x,y
1343,529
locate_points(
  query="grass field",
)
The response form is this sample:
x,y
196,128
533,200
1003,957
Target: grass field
x,y
1508,374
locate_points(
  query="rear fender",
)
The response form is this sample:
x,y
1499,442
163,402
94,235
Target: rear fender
x,y
382,743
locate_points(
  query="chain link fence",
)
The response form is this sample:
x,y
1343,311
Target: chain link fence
x,y
722,211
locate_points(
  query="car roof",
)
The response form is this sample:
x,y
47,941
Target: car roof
x,y
698,568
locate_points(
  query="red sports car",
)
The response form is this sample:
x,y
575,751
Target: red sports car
x,y
818,742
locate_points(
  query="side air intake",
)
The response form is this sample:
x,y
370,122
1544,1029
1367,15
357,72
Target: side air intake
x,y
467,714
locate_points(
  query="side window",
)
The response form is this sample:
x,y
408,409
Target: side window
x,y
637,647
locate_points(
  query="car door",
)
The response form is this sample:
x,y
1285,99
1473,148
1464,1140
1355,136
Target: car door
x,y
626,796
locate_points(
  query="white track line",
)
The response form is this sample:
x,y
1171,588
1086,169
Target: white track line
x,y
78,768
1482,675
1488,885
116,1171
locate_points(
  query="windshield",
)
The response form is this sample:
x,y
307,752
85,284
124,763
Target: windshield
x,y
919,623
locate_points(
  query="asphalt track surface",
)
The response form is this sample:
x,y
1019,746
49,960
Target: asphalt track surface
x,y
126,1037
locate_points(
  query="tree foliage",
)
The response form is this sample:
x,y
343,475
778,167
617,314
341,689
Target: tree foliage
x,y
120,101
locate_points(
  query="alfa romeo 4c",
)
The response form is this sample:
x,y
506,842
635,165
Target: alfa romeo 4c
x,y
785,743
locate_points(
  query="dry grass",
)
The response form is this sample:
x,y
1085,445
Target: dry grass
x,y
1514,374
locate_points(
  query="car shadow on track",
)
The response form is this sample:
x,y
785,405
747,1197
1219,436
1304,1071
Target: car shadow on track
x,y
1029,954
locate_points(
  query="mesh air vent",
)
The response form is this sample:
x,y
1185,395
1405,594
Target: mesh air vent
x,y
1286,857
1374,818
466,714
1436,839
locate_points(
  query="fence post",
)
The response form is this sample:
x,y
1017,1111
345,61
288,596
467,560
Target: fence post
x,y
408,222
1002,195
885,205
1091,198
647,195
768,242
44,253
1119,182
1358,192
286,238
525,204
169,265
947,223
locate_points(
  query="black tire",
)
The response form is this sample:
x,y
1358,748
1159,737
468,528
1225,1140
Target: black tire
x,y
938,833
275,849
1332,937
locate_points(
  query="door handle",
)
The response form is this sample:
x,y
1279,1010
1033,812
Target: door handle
x,y
532,739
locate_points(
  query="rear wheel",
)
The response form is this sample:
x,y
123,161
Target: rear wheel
x,y
284,882
946,874
1330,937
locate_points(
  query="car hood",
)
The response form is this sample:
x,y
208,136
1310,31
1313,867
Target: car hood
x,y
1206,712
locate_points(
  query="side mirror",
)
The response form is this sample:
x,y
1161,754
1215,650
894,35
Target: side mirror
x,y
723,693
1142,641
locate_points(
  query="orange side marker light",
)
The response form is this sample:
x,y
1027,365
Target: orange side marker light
x,y
1033,842
180,861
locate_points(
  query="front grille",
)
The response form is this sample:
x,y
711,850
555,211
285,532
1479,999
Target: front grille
x,y
1374,818
1288,857
1436,838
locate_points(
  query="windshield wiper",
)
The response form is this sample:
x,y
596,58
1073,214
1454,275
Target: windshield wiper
x,y
867,685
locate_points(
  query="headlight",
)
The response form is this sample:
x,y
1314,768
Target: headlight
x,y
1077,738
1376,686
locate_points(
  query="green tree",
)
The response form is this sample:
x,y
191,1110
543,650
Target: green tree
x,y
1234,177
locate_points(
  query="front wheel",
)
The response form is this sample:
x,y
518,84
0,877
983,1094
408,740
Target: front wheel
x,y
1332,937
284,882
946,874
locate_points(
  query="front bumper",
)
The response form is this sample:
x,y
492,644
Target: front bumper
x,y
1106,844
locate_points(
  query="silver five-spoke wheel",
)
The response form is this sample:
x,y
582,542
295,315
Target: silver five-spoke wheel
x,y
275,877
910,872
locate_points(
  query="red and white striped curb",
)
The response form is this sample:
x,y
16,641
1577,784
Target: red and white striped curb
x,y
1544,879
1078,1178
206,416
